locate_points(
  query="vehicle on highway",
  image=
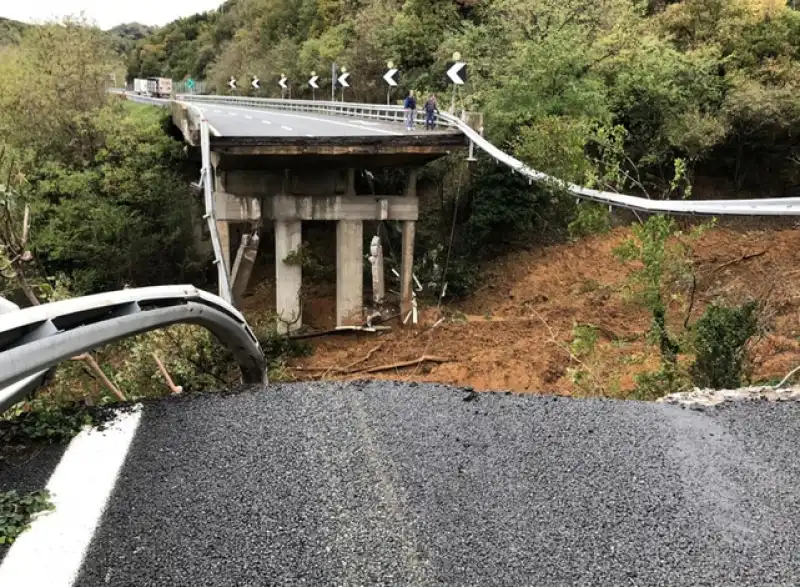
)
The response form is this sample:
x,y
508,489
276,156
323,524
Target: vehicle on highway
x,y
140,86
159,87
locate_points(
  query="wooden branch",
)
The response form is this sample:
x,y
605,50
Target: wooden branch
x,y
403,364
740,259
172,387
787,378
691,302
349,368
89,360
26,288
366,358
26,227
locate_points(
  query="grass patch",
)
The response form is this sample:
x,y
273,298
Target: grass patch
x,y
17,510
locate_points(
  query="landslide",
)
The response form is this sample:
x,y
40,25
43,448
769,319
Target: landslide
x,y
515,331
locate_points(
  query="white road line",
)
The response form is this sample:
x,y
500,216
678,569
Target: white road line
x,y
266,122
248,117
289,128
51,552
231,113
217,111
310,136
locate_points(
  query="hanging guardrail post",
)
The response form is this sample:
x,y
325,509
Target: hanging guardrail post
x,y
223,275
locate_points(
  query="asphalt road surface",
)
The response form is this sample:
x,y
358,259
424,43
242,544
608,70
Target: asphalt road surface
x,y
405,484
242,121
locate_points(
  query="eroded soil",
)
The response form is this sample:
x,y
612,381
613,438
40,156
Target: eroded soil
x,y
514,332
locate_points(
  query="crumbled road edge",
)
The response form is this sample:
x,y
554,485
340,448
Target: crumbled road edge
x,y
713,397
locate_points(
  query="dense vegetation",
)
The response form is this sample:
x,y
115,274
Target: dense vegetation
x,y
103,183
713,82
11,31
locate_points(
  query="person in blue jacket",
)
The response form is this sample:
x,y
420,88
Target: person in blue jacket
x,y
410,105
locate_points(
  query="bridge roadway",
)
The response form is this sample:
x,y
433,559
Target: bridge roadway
x,y
241,121
404,484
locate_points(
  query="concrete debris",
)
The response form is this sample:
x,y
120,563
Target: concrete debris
x,y
713,397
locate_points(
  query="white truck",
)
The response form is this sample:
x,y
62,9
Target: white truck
x,y
160,87
165,87
140,86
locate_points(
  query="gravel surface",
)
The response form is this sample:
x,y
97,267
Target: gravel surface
x,y
411,484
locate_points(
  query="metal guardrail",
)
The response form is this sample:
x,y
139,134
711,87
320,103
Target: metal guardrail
x,y
33,340
753,207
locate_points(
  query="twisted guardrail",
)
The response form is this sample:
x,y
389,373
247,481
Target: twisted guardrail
x,y
35,339
389,113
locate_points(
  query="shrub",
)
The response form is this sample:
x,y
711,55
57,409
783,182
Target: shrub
x,y
720,339
590,219
584,339
653,385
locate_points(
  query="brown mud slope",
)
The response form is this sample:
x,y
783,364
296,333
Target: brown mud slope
x,y
513,334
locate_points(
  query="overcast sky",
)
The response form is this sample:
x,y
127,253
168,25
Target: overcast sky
x,y
107,13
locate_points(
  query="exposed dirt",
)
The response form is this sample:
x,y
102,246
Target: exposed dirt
x,y
514,333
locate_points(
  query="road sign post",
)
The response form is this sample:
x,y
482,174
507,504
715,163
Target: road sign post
x,y
343,80
190,85
333,82
313,84
282,84
389,78
232,83
256,83
457,72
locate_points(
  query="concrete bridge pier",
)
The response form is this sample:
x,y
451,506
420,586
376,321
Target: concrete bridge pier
x,y
288,275
407,261
290,196
349,273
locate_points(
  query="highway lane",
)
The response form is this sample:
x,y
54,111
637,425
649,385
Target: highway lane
x,y
241,121
386,483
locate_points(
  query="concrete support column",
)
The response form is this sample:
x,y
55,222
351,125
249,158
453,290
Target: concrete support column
x,y
407,262
407,268
288,277
349,273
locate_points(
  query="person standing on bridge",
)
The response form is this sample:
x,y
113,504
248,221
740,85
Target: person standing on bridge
x,y
410,105
431,109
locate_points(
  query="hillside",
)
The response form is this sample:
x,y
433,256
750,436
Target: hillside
x,y
125,36
11,31
712,83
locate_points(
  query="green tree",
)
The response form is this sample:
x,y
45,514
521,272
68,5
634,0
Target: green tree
x,y
51,89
